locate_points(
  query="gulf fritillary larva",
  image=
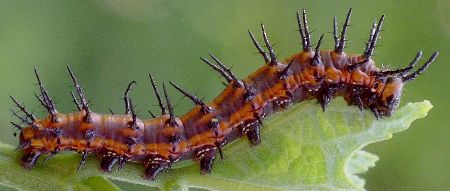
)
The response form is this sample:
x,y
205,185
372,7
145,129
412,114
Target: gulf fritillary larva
x,y
237,111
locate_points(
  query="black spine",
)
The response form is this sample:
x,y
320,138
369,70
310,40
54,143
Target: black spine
x,y
342,41
155,89
84,103
257,46
273,57
171,120
373,42
316,59
421,69
302,32
218,69
126,98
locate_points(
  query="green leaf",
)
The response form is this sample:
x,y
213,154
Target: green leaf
x,y
302,148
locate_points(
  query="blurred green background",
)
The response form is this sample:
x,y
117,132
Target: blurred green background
x,y
110,43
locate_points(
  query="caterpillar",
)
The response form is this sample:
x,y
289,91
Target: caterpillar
x,y
238,111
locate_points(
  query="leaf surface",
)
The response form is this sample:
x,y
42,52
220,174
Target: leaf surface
x,y
302,148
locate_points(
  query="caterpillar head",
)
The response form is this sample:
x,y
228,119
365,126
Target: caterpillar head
x,y
389,98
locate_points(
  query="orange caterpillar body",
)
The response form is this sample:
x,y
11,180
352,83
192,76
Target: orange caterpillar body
x,y
237,111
